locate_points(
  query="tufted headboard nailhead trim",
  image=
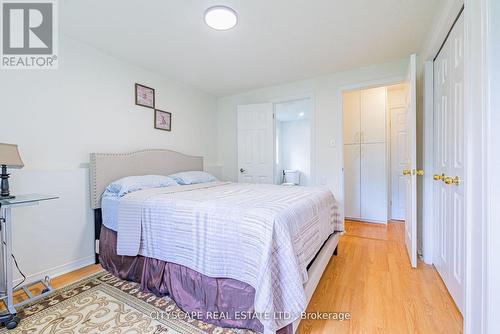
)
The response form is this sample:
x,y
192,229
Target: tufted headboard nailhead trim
x,y
108,167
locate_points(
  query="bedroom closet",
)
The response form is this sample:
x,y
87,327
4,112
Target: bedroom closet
x,y
374,185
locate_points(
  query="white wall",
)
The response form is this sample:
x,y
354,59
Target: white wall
x,y
296,147
326,119
58,117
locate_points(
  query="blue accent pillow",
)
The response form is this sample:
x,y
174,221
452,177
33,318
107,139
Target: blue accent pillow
x,y
193,177
133,183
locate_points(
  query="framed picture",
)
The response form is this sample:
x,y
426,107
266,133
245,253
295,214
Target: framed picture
x,y
163,120
144,96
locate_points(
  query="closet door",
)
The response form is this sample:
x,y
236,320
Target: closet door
x,y
456,169
441,119
373,182
373,115
351,109
352,181
449,207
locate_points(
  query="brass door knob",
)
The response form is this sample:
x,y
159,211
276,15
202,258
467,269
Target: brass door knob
x,y
455,180
452,180
438,177
406,171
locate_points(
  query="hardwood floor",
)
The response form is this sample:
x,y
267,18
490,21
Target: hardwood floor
x,y
58,282
372,279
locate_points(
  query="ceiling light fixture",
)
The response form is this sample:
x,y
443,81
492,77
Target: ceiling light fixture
x,y
301,114
221,18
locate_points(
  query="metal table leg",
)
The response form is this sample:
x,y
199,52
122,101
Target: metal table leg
x,y
9,319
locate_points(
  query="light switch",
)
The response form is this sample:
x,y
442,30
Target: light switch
x,y
333,143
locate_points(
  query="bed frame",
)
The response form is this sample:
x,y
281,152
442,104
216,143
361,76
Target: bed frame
x,y
108,167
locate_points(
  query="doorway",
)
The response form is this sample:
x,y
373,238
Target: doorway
x,y
293,142
375,153
366,153
274,142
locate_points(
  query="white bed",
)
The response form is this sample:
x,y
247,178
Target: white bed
x,y
219,226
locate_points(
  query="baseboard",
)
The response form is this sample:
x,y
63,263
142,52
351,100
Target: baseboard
x,y
57,271
367,221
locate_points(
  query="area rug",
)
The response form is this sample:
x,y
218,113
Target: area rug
x,y
103,303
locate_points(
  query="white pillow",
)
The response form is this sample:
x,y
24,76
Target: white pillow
x,y
193,177
133,183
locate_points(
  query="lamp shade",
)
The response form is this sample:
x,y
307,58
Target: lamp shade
x,y
9,156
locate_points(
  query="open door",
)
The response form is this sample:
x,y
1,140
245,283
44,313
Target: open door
x,y
256,143
411,171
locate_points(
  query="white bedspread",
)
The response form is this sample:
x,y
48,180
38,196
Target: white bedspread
x,y
263,235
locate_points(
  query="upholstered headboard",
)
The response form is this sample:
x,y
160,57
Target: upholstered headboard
x,y
108,167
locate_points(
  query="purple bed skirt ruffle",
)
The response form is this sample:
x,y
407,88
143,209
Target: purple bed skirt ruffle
x,y
192,291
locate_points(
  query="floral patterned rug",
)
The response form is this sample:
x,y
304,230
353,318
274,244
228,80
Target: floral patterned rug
x,y
103,303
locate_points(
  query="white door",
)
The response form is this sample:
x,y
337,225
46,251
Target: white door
x,y
449,208
374,183
399,149
411,177
256,143
352,181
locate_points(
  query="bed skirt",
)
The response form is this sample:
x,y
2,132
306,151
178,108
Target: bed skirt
x,y
192,291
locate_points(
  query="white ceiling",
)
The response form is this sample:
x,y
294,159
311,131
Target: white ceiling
x,y
275,41
290,111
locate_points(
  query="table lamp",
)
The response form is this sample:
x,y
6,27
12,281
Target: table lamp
x,y
9,157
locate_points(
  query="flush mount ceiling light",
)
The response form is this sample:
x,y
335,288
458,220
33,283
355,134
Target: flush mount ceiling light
x,y
221,18
301,114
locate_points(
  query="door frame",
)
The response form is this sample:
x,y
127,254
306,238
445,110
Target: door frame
x,y
312,149
382,82
482,301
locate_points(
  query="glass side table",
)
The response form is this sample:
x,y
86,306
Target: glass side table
x,y
9,317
